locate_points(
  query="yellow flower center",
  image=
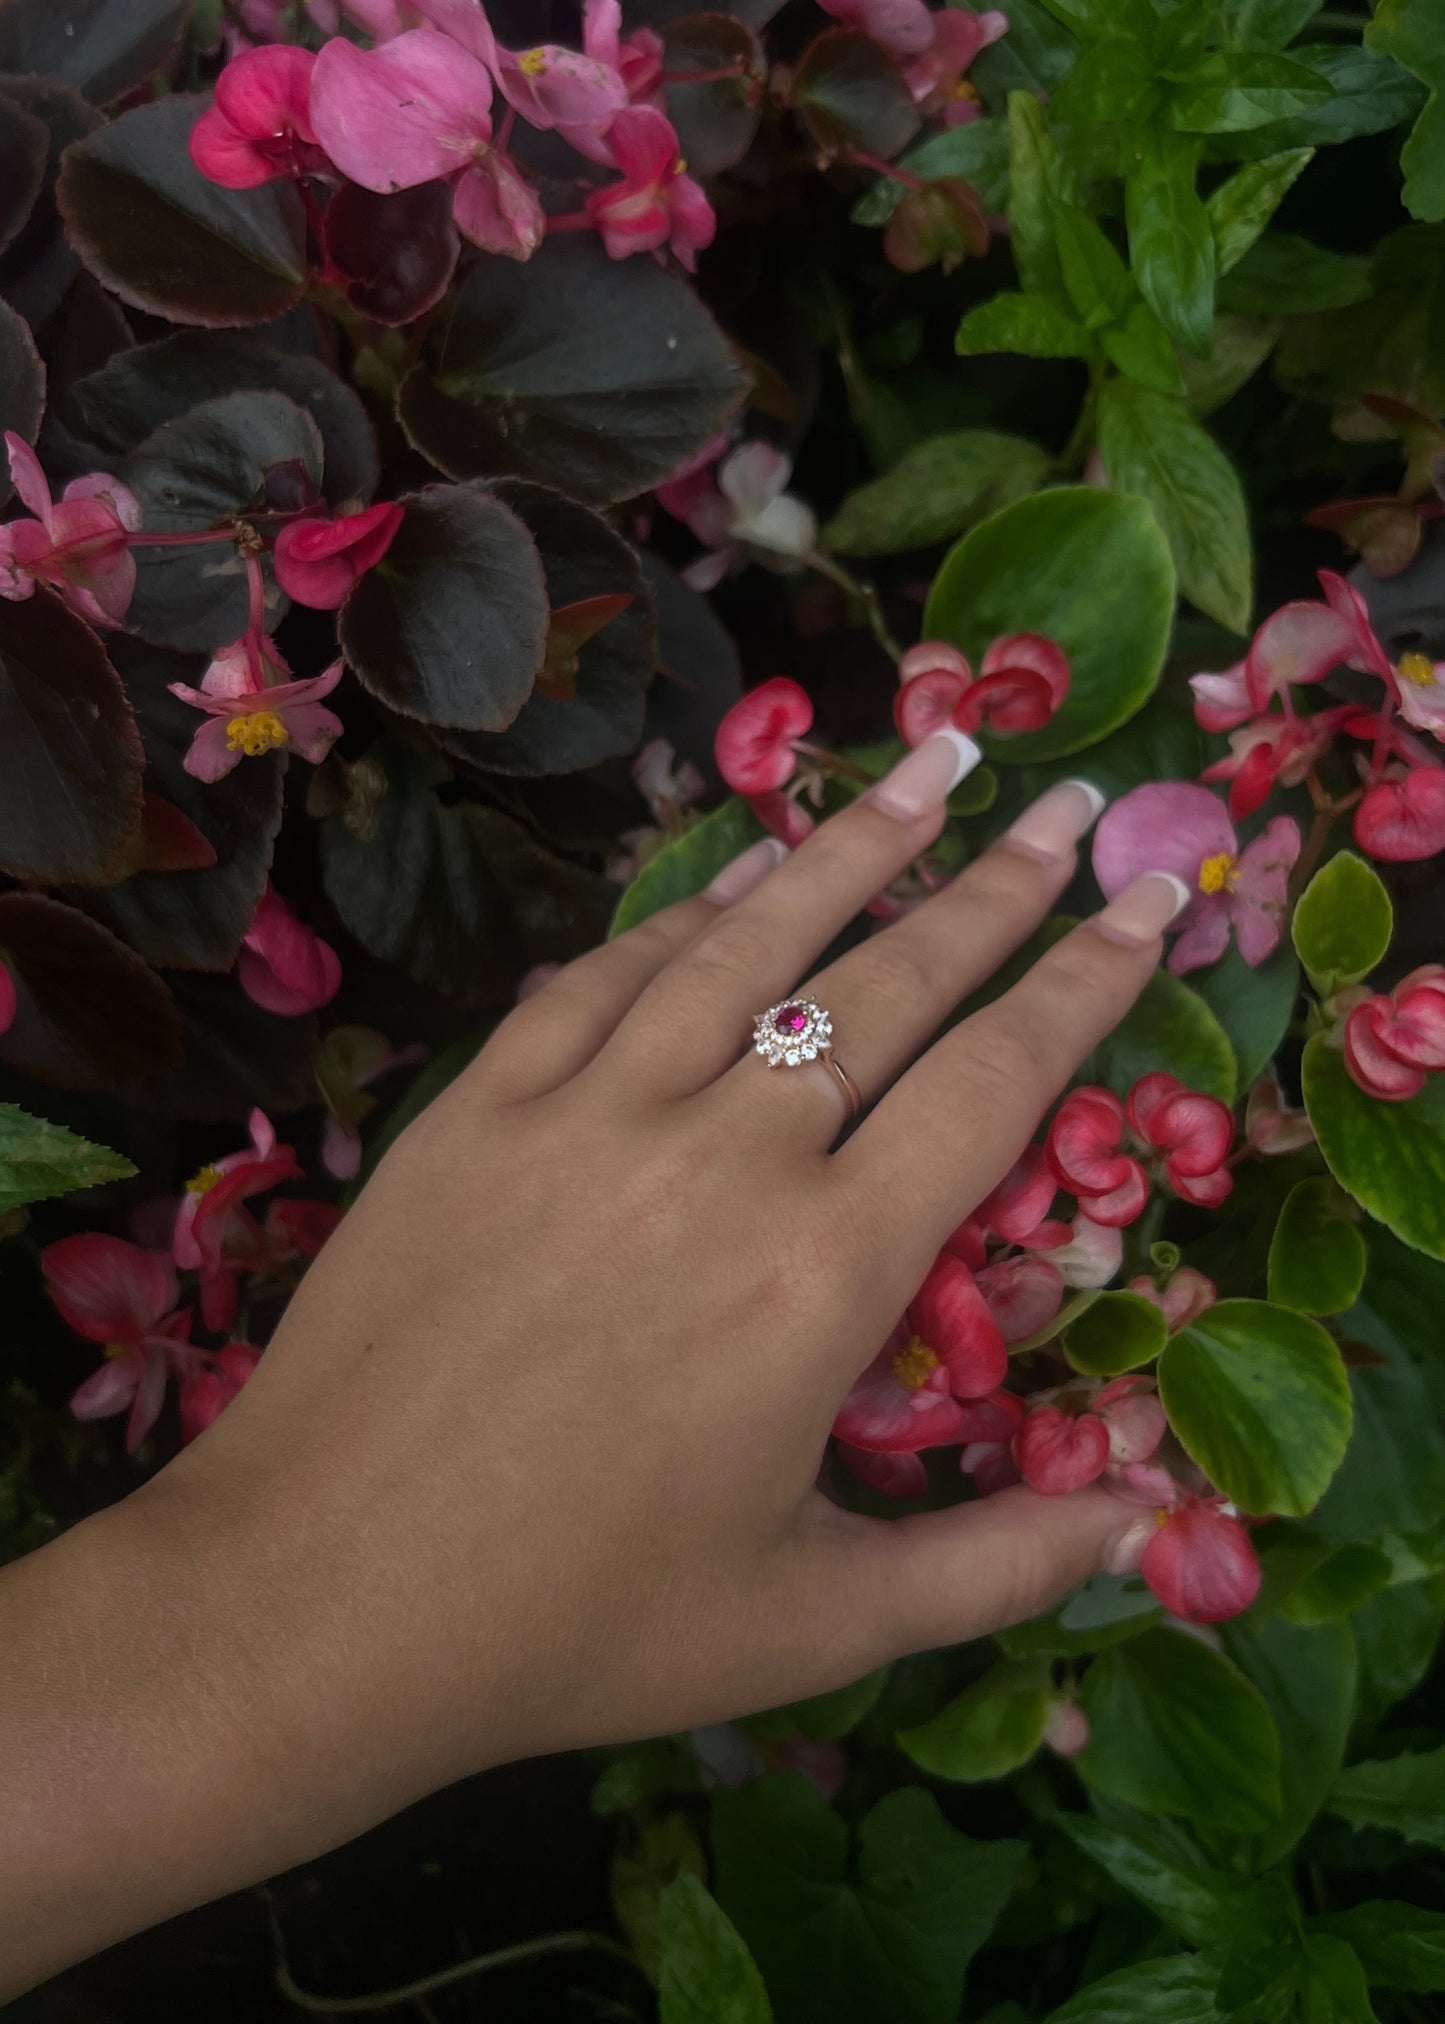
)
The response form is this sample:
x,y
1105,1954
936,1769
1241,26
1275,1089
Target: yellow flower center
x,y
1417,669
914,1366
257,732
680,168
1219,874
966,91
203,1180
115,1349
532,62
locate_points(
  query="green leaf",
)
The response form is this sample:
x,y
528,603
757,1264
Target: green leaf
x,y
38,1160
1112,84
938,489
1119,1332
1317,1255
890,1947
717,121
1035,325
1341,1583
1413,32
705,1973
849,94
103,50
989,1730
1398,1632
1389,1156
1153,446
1264,24
690,864
1034,57
1261,1401
1087,568
1171,244
1230,93
1037,182
1343,923
1307,1680
1333,1988
823,1719
977,151
1095,277
1177,1729
1241,207
1241,346
1205,1906
1371,94
1169,1026
1139,345
1176,1990
1254,1007
1401,1946
1404,1794
22,375
1287,276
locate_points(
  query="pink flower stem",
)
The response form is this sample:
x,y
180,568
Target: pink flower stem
x,y
833,763
737,68
889,169
504,131
256,584
1381,750
181,540
1309,857
316,219
866,595
570,221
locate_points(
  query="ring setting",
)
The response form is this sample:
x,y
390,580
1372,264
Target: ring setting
x,y
798,1031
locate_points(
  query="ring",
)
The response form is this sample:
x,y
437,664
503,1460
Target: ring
x,y
799,1031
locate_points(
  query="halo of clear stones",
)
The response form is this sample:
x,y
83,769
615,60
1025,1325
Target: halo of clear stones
x,y
793,1032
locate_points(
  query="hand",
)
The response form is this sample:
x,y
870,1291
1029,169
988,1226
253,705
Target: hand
x,y
532,1461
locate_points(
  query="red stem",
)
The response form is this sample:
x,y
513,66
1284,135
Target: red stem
x,y
737,68
570,221
889,169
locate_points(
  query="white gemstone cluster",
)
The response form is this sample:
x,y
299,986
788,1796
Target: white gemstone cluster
x,y
789,1034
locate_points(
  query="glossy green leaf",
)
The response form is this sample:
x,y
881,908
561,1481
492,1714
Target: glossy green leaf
x,y
685,867
1089,569
1404,1794
825,1717
937,490
1332,1988
1260,1399
1177,1729
978,151
887,1944
1037,181
1119,1332
1176,1990
1228,93
1207,1907
1153,446
1034,325
1389,1156
1169,1026
1401,1946
1241,346
1371,94
1112,84
1306,1677
715,121
705,1973
1240,207
1397,1632
1095,277
1140,347
1254,1007
1284,275
1342,923
1413,33
850,95
1171,243
102,49
1317,1255
989,1730
38,1160
1264,24
1341,1583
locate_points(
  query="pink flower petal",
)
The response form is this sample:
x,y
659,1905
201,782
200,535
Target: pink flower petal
x,y
409,112
950,1315
1221,702
894,1475
1202,1564
1170,825
903,27
106,1289
754,742
29,480
1057,1451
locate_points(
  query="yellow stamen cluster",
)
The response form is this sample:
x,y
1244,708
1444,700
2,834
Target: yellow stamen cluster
x,y
532,62
1417,669
914,1366
257,732
202,1181
1219,874
115,1349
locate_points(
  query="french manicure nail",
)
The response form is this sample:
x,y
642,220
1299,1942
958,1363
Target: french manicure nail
x,y
1125,1550
922,781
736,880
1144,909
1049,829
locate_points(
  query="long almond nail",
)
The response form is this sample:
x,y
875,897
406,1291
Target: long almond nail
x,y
920,783
736,880
1144,909
1125,1550
1049,829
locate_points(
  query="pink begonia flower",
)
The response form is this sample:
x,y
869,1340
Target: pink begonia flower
x,y
209,1217
1177,826
1201,1562
320,560
1085,1148
1301,642
260,128
1130,1408
755,740
894,1475
1017,1212
1273,751
989,1426
249,717
1023,1294
77,545
579,94
1193,1132
206,1391
1422,693
747,513
417,110
936,76
124,1298
656,203
637,58
1022,681
1066,1728
1092,1254
7,1000
283,966
1185,1296
947,1349
782,817
1060,1448
1270,1126
902,27
1393,1041
1402,818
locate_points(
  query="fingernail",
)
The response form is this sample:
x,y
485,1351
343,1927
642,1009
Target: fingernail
x,y
1049,829
736,880
1144,909
920,783
1125,1550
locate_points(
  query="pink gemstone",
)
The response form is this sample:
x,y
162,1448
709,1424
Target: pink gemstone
x,y
792,1019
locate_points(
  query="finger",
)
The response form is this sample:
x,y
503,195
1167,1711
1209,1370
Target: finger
x,y
950,1130
757,952
942,1577
561,1026
890,996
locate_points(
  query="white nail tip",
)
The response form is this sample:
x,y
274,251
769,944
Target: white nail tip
x,y
1182,894
1097,802
969,754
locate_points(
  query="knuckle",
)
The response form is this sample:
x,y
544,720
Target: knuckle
x,y
1003,1047
894,974
733,953
1002,880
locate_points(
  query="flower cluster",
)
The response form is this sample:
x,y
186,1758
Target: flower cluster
x,y
1021,682
1394,1039
125,1296
1106,1152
